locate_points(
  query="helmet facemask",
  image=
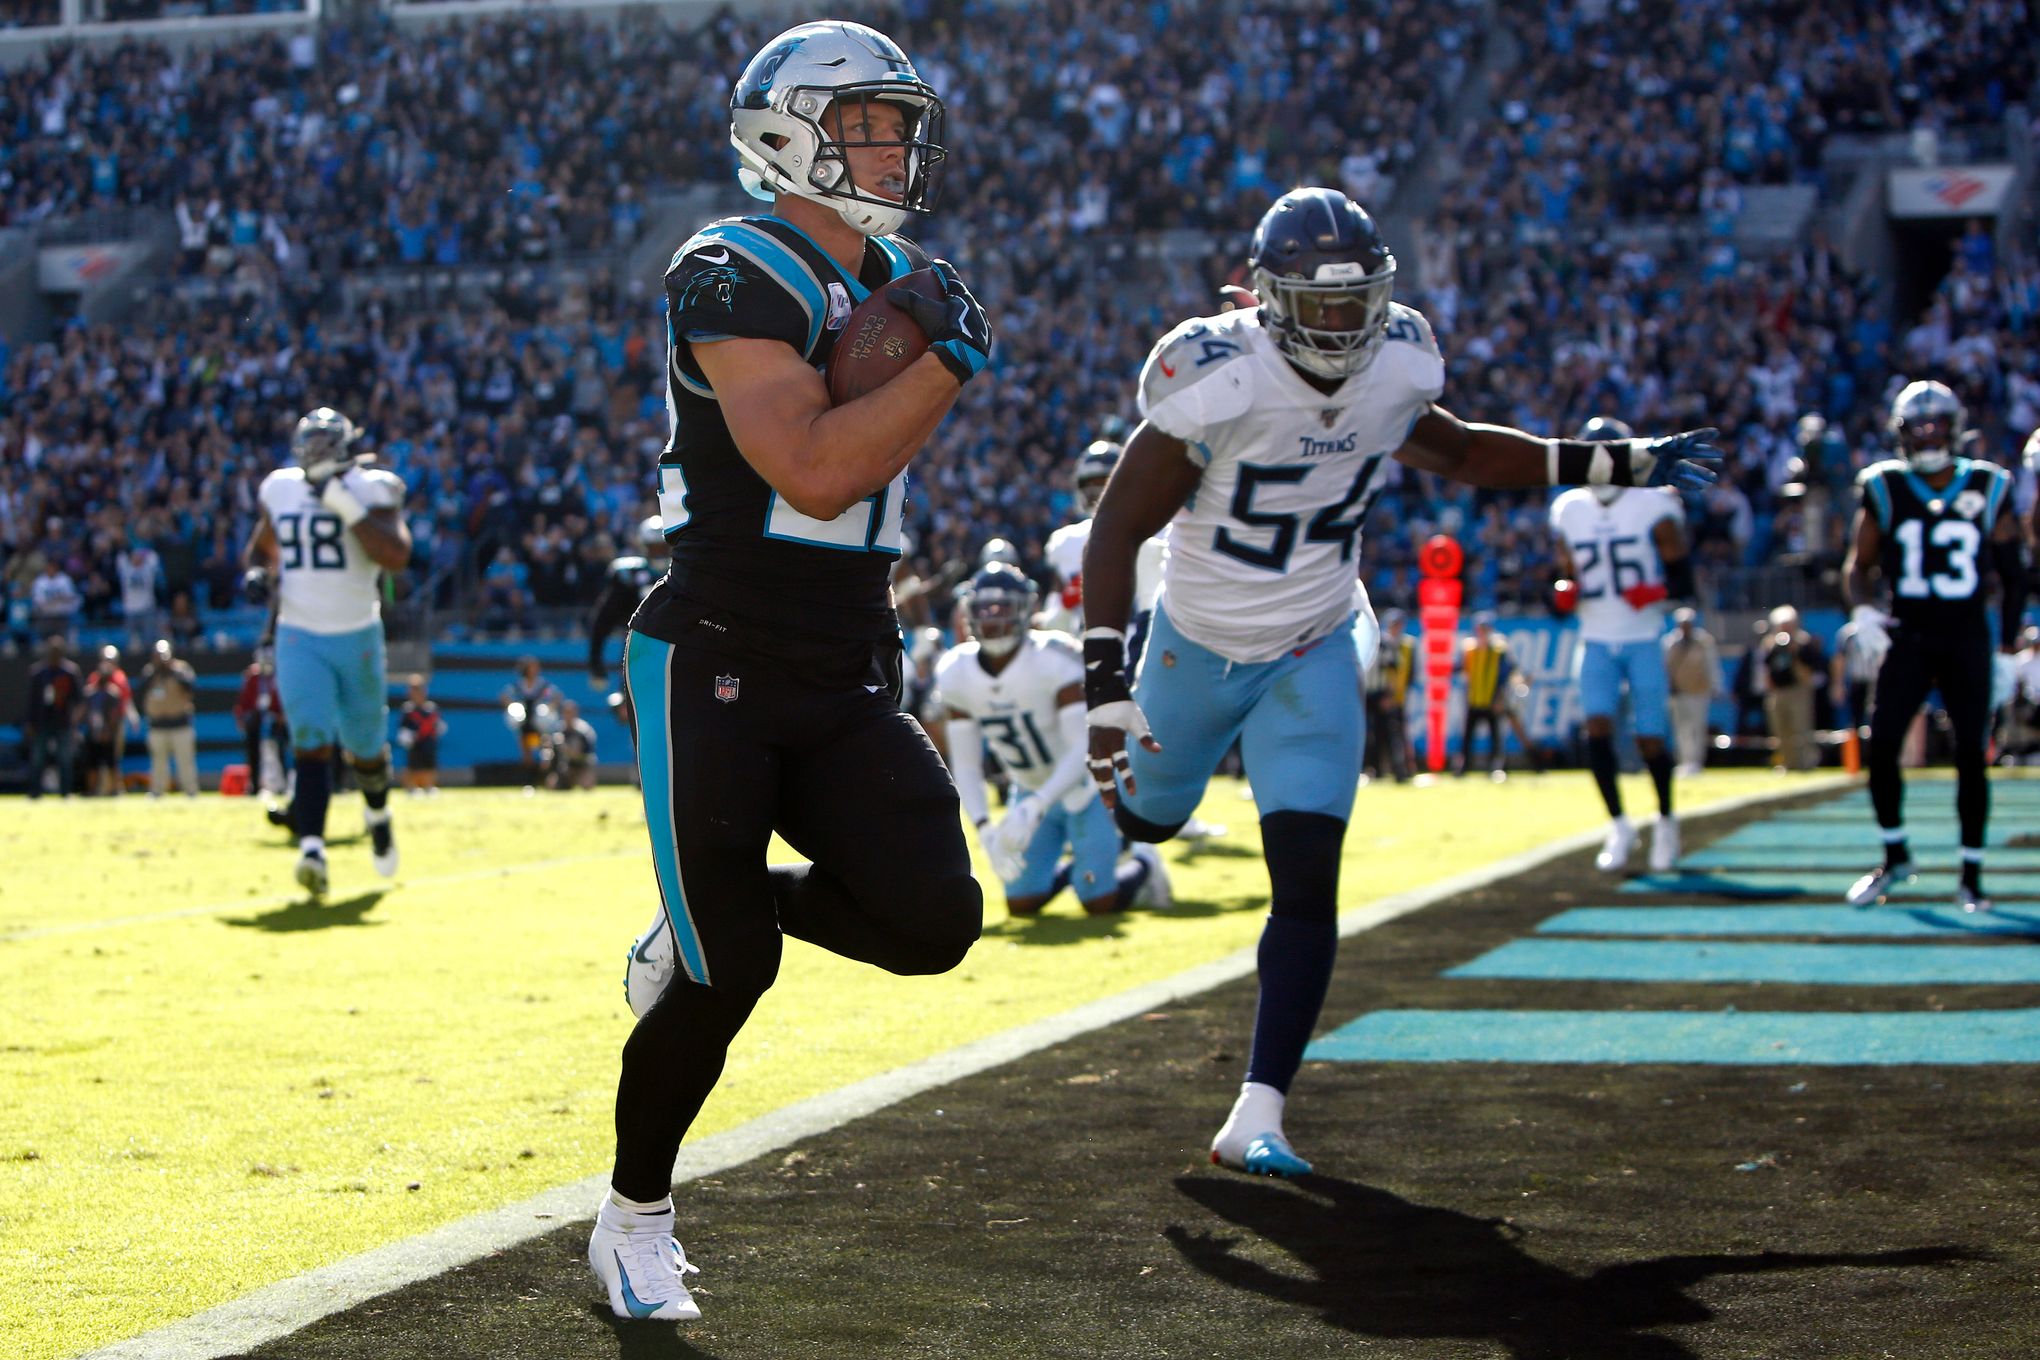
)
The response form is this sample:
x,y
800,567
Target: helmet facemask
x,y
1927,422
782,135
998,620
1333,325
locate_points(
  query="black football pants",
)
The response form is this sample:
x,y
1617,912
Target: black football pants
x,y
1959,666
730,751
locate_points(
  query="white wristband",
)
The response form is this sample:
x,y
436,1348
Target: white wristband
x,y
343,503
1111,634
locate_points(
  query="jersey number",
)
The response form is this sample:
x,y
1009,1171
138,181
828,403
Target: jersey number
x,y
1333,524
1623,572
323,535
1013,744
1960,538
871,525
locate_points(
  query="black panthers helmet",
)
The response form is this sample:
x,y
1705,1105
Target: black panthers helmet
x,y
1000,608
1324,278
1928,421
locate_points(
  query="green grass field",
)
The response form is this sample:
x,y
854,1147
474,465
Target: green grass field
x,y
208,1084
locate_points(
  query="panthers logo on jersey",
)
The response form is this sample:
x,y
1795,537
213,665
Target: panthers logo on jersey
x,y
719,282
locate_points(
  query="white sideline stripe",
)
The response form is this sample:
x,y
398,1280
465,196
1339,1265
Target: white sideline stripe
x,y
291,1305
256,903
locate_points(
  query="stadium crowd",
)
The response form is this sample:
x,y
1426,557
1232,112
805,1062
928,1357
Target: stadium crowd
x,y
525,427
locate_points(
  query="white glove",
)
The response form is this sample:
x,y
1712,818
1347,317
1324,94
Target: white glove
x,y
1872,632
1125,715
1007,846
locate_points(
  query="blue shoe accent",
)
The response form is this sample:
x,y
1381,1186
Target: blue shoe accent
x,y
1270,1155
630,1300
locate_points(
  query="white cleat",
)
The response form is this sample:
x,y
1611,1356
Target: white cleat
x,y
1617,848
1664,845
311,872
1265,1154
382,840
1155,894
1874,887
1197,829
651,964
1971,899
641,1265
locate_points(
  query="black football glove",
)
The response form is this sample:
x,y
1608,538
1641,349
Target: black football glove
x,y
954,323
255,585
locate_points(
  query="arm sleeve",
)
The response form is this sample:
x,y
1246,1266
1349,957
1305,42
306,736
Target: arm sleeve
x,y
611,612
1069,772
967,767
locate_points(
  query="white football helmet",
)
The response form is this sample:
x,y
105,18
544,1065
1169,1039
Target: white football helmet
x,y
1927,421
776,121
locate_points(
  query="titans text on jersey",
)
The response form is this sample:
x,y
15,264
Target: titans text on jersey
x,y
1263,558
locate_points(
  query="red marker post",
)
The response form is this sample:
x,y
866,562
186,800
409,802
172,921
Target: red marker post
x,y
1438,597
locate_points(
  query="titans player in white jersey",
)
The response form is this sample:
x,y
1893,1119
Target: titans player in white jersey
x,y
330,527
1021,693
1265,431
1625,550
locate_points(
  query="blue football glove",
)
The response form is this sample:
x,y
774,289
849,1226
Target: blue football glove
x,y
1681,460
954,323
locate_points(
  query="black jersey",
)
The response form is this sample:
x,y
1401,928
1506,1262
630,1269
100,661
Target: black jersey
x,y
771,575
1933,541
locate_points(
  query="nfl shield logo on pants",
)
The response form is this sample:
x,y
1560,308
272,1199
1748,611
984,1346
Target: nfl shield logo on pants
x,y
726,688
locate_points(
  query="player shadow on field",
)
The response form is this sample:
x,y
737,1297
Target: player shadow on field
x,y
1078,927
311,914
649,1340
1381,1266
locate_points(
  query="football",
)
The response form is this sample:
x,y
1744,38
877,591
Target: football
x,y
878,340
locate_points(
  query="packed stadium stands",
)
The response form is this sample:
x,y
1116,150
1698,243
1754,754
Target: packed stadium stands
x,y
1574,185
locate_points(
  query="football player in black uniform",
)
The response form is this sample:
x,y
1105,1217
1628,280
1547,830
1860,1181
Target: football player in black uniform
x,y
765,668
630,578
1932,523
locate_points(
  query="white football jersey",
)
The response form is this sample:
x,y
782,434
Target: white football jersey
x,y
1613,548
326,581
1016,709
1065,554
1264,557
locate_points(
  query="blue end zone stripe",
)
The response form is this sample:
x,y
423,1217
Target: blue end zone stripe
x,y
1892,922
1861,856
1764,884
1863,837
647,662
1818,964
1740,1037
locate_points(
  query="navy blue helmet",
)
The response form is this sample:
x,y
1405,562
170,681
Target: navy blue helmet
x,y
1602,429
1324,278
1094,469
1000,608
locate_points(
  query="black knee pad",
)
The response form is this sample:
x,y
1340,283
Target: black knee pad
x,y
1140,829
1302,849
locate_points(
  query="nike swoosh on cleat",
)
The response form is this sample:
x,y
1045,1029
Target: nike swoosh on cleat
x,y
643,945
630,1300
